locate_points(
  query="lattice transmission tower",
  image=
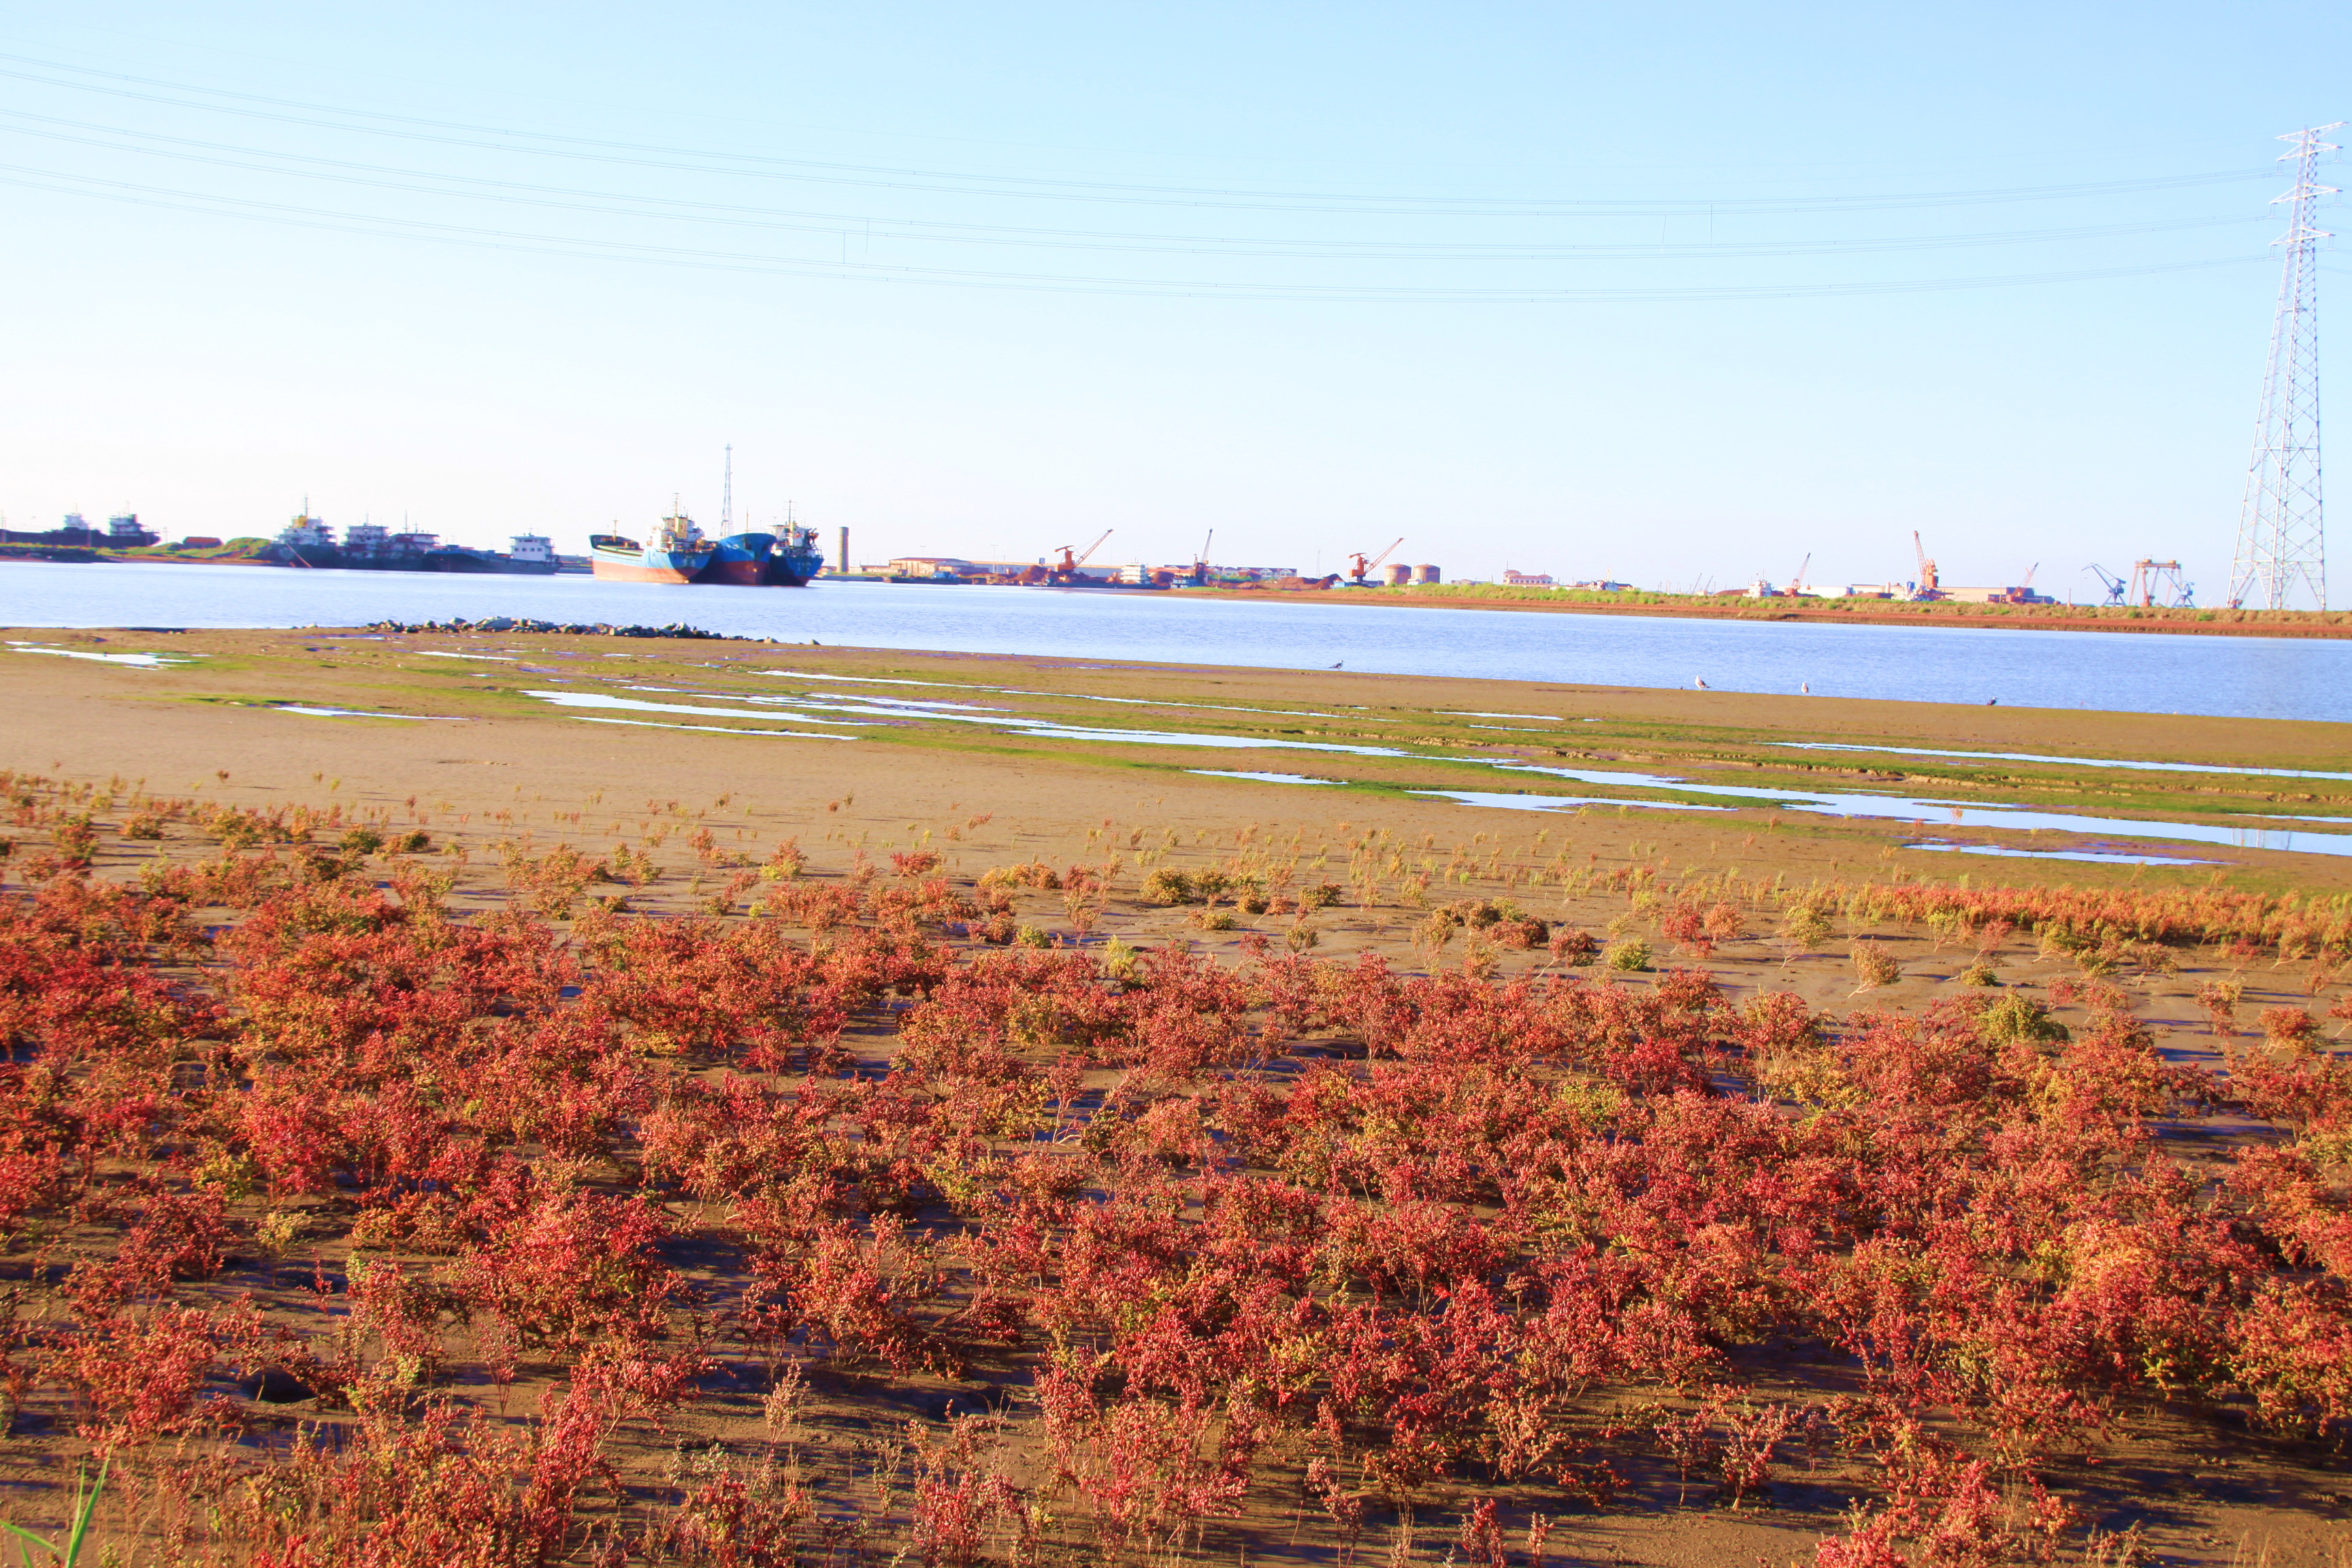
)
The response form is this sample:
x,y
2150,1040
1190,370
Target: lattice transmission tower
x,y
2281,533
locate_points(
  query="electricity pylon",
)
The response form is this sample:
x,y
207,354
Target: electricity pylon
x,y
2282,534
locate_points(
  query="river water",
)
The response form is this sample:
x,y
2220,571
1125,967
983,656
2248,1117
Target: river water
x,y
2243,676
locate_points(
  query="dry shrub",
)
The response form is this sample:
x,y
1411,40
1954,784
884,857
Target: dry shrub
x,y
1805,926
1724,922
1165,885
553,882
2220,1000
1874,966
1032,874
819,906
1574,947
2290,1029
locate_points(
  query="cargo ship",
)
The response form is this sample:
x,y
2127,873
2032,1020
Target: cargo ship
x,y
678,553
371,547
784,556
534,556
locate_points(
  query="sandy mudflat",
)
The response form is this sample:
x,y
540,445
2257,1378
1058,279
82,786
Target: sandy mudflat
x,y
180,724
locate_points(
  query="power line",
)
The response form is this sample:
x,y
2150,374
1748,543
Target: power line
x,y
672,255
892,177
521,192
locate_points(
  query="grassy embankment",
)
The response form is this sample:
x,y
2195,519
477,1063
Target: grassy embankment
x,y
1845,612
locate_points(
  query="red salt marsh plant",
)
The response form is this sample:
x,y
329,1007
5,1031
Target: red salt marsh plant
x,y
1446,1241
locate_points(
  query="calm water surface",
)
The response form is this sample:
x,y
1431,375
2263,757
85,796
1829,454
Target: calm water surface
x,y
2245,677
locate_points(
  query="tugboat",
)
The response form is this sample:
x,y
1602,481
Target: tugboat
x,y
678,553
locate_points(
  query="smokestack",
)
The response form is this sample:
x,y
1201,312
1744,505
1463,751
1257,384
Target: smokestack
x,y
841,563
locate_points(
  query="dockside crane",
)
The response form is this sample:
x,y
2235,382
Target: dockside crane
x,y
2023,592
1927,588
1797,582
1069,566
1357,572
2110,582
1200,562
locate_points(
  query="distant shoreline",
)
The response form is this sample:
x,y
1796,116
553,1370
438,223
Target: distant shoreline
x,y
2301,624
2305,624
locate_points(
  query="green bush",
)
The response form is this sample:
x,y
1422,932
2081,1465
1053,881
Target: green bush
x,y
2016,1018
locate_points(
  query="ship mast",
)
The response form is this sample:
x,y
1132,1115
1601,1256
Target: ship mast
x,y
727,496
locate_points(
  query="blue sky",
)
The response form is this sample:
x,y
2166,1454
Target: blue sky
x,y
1678,295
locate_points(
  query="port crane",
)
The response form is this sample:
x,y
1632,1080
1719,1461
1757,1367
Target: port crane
x,y
2110,582
2022,593
1927,588
2150,578
1797,582
1357,572
1200,562
1068,567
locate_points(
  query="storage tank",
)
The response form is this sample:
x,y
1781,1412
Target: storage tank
x,y
1399,575
1426,574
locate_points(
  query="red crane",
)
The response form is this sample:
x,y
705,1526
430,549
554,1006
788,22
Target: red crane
x,y
1357,572
1070,563
2150,578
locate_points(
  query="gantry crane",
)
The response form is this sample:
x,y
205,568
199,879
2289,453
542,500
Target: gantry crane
x,y
2150,578
1356,573
2109,581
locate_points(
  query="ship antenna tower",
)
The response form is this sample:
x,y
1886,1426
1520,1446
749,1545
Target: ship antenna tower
x,y
2282,535
727,493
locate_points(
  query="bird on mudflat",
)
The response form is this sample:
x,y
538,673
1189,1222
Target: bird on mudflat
x,y
1337,666
1700,682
